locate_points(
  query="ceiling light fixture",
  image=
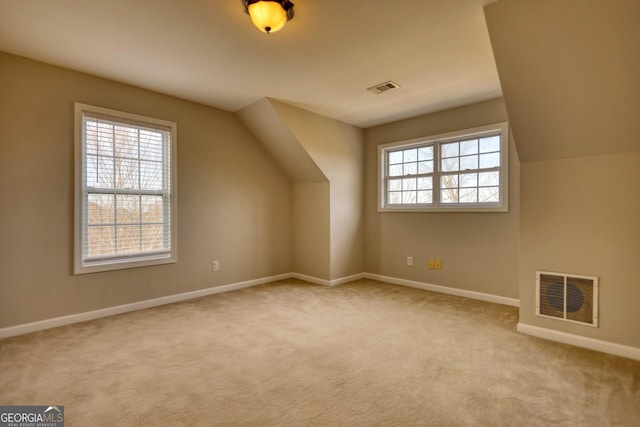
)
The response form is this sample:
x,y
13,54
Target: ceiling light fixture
x,y
269,15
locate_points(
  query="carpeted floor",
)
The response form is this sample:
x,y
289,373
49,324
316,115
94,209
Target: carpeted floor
x,y
295,354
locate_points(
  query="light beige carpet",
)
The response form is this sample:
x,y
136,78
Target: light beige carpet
x,y
295,354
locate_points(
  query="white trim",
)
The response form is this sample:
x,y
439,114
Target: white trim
x,y
347,279
324,282
126,308
446,290
310,279
82,266
55,322
580,341
503,206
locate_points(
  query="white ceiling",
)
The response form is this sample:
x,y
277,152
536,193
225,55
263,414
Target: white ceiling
x,y
208,51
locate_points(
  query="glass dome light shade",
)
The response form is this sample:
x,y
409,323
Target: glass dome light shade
x,y
268,16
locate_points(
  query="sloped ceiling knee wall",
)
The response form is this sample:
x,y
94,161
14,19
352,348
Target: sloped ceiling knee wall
x,y
324,159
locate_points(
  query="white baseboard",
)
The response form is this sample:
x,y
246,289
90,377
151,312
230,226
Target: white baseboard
x,y
343,280
580,341
446,290
140,305
310,279
324,282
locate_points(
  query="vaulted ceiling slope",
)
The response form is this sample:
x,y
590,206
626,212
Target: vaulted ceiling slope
x,y
570,72
208,51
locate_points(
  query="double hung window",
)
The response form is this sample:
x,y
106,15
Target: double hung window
x,y
125,190
459,171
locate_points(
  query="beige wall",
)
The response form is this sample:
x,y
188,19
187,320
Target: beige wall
x,y
312,229
569,72
319,154
479,250
336,148
582,216
234,203
267,126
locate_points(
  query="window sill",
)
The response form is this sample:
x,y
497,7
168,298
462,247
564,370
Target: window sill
x,y
446,209
96,267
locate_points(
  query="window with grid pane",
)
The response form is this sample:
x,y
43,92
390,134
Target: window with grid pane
x,y
465,170
125,201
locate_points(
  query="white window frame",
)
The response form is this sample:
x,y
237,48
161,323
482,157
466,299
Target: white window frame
x,y
435,140
82,265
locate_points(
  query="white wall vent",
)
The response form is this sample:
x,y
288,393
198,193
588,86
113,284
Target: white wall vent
x,y
383,87
567,297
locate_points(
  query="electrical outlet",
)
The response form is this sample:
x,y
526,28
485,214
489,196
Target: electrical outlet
x,y
438,264
431,264
409,260
215,265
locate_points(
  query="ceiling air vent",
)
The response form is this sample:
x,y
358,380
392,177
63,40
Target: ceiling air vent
x,y
567,297
383,87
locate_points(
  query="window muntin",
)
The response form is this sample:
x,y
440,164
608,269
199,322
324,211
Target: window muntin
x,y
464,170
125,185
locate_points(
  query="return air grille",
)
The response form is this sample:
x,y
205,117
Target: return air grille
x,y
567,297
383,87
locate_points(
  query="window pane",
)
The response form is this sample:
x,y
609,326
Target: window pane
x,y
489,160
425,167
469,147
150,175
128,239
395,157
490,144
100,209
449,181
105,172
409,184
489,194
126,142
91,136
410,168
150,145
105,140
410,155
449,196
468,162
425,153
469,180
127,174
91,177
425,197
409,197
395,184
425,183
395,198
489,179
395,170
100,241
152,209
128,209
449,150
450,165
151,237
468,195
